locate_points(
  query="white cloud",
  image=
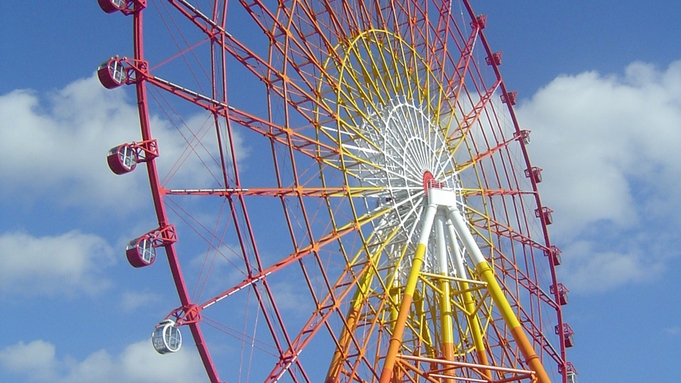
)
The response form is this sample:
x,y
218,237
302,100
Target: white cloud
x,y
130,300
138,363
293,297
35,360
55,147
64,264
588,269
609,149
603,141
58,144
141,363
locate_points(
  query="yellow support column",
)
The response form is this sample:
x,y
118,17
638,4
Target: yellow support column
x,y
468,301
343,343
487,274
353,316
446,320
476,331
405,306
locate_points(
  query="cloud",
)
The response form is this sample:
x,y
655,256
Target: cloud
x,y
589,269
292,297
70,263
35,360
130,301
138,363
607,144
609,149
58,144
55,147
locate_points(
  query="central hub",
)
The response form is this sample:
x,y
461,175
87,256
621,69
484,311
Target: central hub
x,y
430,182
427,180
402,151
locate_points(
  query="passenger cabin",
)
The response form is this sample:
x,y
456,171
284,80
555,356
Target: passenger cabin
x,y
509,97
112,73
525,135
571,377
561,292
534,173
494,59
141,252
554,252
166,337
111,6
545,214
122,159
567,334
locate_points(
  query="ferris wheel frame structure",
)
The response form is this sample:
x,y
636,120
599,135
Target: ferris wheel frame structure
x,y
442,193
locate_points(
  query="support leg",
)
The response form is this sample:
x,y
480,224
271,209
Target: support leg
x,y
417,262
487,275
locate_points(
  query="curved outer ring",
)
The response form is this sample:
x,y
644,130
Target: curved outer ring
x,y
157,191
157,195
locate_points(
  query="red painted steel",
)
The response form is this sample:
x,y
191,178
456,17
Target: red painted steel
x,y
295,37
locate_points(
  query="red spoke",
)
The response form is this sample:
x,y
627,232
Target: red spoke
x,y
394,230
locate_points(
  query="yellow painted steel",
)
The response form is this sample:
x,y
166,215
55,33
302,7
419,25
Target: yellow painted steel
x,y
395,297
474,324
345,338
398,331
424,330
445,298
447,321
373,69
487,274
362,292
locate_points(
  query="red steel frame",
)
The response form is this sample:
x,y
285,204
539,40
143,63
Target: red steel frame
x,y
289,346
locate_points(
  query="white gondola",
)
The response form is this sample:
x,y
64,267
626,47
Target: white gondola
x,y
166,337
140,252
571,377
122,159
111,73
525,135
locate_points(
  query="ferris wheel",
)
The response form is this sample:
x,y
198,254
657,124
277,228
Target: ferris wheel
x,y
342,192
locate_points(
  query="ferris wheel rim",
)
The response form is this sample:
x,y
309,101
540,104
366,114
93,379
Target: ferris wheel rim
x,y
159,193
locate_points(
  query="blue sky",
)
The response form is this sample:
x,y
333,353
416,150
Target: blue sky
x,y
599,87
